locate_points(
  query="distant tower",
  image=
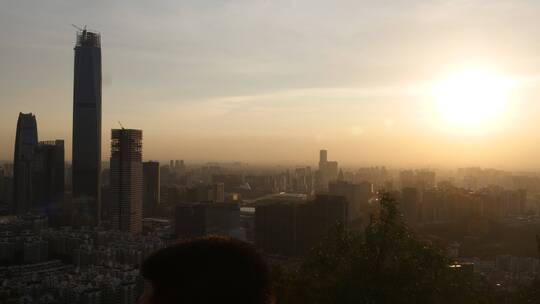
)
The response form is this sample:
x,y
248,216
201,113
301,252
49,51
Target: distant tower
x,y
218,192
26,141
86,169
323,156
151,185
328,171
182,167
126,180
323,162
341,176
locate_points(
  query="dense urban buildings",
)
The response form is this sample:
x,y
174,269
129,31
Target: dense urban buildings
x,y
86,152
74,265
75,230
126,180
26,141
205,193
55,282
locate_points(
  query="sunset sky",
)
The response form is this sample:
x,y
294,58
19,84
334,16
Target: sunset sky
x,y
278,80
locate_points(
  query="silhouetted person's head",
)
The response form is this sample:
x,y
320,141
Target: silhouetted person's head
x,y
206,270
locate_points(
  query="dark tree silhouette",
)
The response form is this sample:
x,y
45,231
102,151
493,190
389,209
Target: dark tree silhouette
x,y
384,264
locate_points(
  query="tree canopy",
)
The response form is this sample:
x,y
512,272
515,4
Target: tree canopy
x,y
383,264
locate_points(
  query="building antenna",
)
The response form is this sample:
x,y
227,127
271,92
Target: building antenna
x,y
121,126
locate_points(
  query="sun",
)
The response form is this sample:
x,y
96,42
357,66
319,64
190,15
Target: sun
x,y
471,98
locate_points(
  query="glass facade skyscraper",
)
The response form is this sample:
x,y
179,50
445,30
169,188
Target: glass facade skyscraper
x,y
87,125
26,141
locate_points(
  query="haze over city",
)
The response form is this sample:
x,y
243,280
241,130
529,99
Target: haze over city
x,y
273,81
269,152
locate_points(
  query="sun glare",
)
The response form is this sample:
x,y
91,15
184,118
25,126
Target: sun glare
x,y
472,98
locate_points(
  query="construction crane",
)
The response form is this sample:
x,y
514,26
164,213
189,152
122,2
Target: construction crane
x,y
121,126
79,28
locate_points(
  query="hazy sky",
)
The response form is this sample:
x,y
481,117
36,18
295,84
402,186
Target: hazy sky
x,y
277,80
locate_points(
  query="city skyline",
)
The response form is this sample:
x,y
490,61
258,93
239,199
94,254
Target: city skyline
x,y
269,151
219,90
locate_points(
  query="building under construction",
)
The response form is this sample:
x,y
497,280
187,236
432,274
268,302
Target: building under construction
x,y
87,126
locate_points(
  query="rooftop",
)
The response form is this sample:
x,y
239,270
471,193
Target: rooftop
x,y
87,38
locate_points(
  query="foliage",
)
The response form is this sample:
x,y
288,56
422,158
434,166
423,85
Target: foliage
x,y
384,264
8,296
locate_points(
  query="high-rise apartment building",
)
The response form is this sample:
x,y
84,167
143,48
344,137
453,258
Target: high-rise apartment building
x,y
206,193
292,228
328,170
126,180
86,151
357,196
204,218
48,175
26,141
151,187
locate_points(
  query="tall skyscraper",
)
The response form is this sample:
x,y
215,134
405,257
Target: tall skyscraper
x,y
26,141
151,187
328,170
87,124
323,156
126,180
48,175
